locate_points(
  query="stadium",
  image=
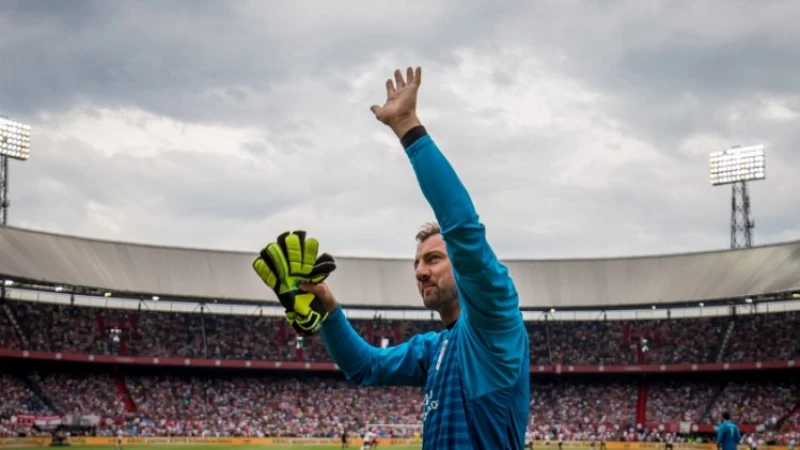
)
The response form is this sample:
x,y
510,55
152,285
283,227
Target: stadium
x,y
208,240
174,344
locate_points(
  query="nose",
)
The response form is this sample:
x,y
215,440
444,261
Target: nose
x,y
423,274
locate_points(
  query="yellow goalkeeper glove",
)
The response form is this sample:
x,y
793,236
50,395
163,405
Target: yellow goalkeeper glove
x,y
286,263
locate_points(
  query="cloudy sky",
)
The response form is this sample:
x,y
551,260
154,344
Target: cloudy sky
x,y
581,128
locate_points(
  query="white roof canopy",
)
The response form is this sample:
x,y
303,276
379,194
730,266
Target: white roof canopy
x,y
608,282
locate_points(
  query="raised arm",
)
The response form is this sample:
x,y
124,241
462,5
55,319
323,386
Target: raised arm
x,y
402,365
490,299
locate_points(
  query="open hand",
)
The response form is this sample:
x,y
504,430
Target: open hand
x,y
400,110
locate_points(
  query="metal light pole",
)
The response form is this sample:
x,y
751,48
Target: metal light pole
x,y
15,143
736,166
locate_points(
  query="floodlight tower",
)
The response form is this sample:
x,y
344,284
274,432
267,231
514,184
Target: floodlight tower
x,y
15,142
736,166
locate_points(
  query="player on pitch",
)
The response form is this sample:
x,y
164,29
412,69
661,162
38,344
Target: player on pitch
x,y
476,371
728,434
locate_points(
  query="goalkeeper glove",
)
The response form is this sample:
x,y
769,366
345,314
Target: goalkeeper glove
x,y
286,263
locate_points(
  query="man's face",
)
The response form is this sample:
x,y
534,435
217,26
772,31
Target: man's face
x,y
434,273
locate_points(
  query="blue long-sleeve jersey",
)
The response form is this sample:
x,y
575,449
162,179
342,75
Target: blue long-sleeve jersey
x,y
728,435
476,372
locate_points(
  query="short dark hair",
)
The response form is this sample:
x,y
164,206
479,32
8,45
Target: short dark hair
x,y
726,416
427,230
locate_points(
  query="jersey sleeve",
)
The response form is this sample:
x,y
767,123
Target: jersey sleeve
x,y
489,300
401,365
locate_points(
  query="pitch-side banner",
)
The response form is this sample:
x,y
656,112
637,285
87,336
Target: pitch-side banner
x,y
42,421
25,442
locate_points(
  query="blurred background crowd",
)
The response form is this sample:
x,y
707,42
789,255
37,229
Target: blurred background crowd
x,y
218,403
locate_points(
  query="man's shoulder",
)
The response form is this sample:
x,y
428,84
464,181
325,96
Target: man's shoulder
x,y
513,339
432,335
429,339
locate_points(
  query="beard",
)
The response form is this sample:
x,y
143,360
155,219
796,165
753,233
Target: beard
x,y
435,297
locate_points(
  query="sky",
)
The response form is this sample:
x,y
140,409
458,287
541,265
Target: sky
x,y
581,128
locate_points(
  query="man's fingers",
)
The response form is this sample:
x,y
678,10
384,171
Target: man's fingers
x,y
398,78
389,86
375,110
410,75
418,76
316,289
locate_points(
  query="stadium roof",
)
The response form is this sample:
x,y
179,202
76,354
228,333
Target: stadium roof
x,y
227,275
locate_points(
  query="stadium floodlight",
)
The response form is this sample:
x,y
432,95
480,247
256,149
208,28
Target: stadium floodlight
x,y
15,143
736,166
15,139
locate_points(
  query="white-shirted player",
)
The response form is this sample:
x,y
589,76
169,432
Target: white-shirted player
x,y
118,446
670,441
369,438
528,439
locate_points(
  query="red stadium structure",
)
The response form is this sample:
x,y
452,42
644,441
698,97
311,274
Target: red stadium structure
x,y
160,340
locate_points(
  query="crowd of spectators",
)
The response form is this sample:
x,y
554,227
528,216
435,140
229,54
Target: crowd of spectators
x,y
64,328
80,395
583,406
266,406
162,405
320,406
765,337
59,328
16,398
324,406
9,338
761,401
680,401
677,341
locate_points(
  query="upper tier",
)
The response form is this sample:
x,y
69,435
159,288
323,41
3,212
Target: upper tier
x,y
181,272
92,331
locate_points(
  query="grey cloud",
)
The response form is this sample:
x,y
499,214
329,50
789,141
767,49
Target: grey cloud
x,y
255,148
713,71
176,184
192,47
124,53
648,57
665,71
169,59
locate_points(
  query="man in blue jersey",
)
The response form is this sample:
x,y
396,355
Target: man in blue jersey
x,y
476,371
728,434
